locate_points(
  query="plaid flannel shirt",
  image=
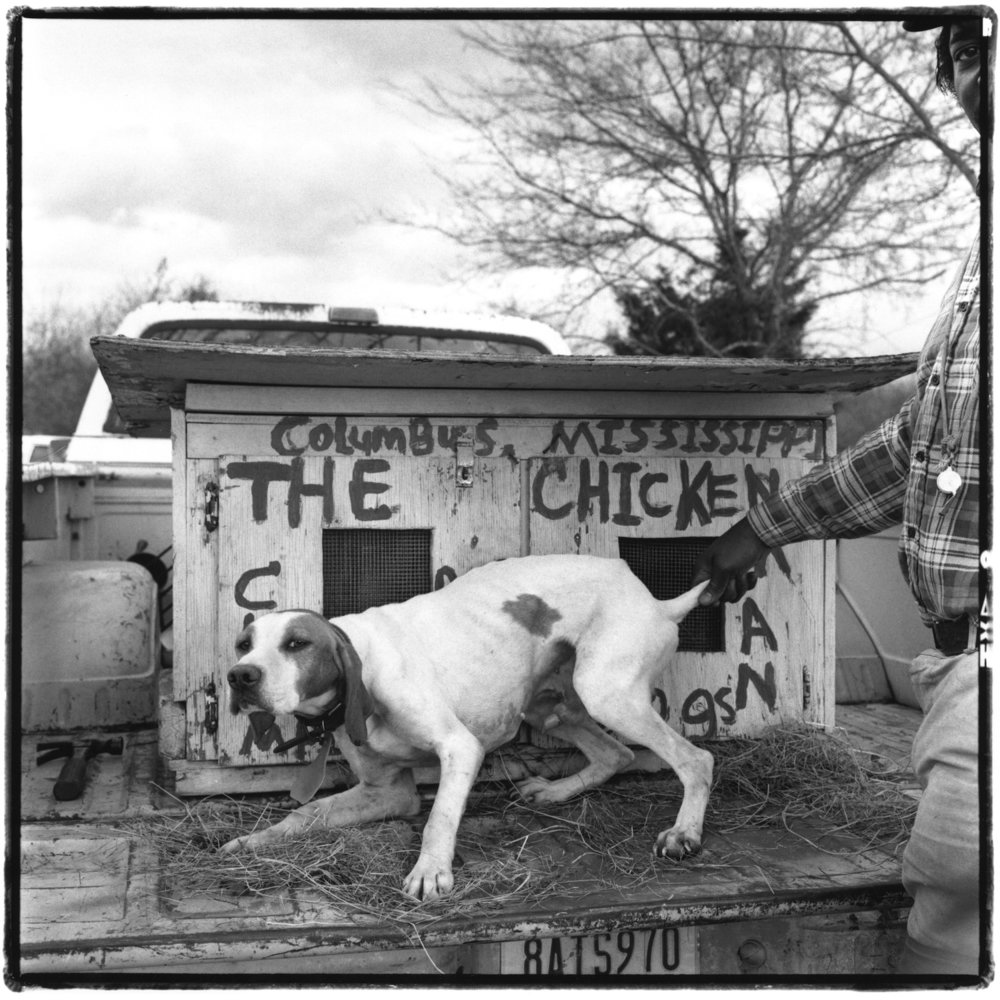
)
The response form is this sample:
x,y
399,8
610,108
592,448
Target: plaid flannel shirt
x,y
889,476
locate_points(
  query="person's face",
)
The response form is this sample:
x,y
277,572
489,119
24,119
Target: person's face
x,y
969,55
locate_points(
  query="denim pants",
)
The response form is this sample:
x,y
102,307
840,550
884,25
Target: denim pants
x,y
941,868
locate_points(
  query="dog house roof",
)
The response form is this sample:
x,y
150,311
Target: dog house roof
x,y
146,378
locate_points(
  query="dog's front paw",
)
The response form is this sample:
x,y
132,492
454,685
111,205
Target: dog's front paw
x,y
236,844
429,880
293,823
677,844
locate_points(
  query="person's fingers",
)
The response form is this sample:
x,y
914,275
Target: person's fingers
x,y
719,581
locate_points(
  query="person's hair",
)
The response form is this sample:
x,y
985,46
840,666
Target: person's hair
x,y
945,77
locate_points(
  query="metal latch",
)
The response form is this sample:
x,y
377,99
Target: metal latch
x,y
211,709
211,507
465,459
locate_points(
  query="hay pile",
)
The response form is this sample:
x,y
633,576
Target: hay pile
x,y
358,870
509,852
813,777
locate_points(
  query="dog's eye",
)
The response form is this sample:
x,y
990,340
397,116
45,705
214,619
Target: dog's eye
x,y
296,644
243,646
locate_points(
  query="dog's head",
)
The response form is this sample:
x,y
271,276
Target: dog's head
x,y
296,661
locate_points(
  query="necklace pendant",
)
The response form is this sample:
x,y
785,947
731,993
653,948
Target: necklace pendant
x,y
948,481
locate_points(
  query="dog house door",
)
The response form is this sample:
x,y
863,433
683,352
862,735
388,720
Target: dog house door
x,y
339,535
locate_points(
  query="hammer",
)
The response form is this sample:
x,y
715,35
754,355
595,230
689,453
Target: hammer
x,y
73,776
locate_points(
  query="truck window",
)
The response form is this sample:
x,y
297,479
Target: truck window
x,y
326,337
332,337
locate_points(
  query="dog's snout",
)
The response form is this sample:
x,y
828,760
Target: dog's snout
x,y
245,676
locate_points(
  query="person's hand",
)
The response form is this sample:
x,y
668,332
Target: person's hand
x,y
731,563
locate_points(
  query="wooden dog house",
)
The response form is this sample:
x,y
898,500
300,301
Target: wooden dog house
x,y
339,480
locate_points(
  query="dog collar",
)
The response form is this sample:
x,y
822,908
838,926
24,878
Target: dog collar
x,y
317,726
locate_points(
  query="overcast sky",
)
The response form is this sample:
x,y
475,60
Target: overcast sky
x,y
258,153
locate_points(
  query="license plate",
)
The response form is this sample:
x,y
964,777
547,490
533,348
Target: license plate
x,y
651,951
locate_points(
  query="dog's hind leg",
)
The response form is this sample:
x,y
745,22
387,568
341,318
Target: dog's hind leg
x,y
605,757
627,711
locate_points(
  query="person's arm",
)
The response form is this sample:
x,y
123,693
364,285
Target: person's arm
x,y
858,492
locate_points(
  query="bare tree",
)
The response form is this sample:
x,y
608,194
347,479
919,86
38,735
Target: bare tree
x,y
613,151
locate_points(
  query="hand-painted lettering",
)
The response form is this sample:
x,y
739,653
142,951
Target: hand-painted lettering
x,y
273,568
360,440
624,515
757,487
261,475
340,444
710,429
755,625
281,436
728,711
267,737
360,488
609,428
297,489
594,484
731,443
449,435
694,716
701,707
589,492
648,481
321,437
388,439
786,434
765,686
294,435
560,438
640,439
421,436
486,444
691,504
546,468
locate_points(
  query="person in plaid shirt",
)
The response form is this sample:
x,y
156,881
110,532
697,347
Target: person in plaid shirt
x,y
920,469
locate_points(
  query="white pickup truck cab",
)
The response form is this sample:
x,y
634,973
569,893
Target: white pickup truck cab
x,y
101,437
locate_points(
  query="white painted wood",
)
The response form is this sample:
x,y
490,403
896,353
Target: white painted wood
x,y
196,622
338,436
264,564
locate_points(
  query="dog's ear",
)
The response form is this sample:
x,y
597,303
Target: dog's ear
x,y
358,704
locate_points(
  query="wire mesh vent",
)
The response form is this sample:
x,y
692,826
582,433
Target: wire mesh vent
x,y
665,566
366,567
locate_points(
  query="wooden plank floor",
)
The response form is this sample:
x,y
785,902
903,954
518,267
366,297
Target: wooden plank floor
x,y
883,729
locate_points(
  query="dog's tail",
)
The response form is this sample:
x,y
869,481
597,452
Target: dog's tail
x,y
679,608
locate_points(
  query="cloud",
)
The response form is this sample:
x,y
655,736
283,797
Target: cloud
x,y
221,140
